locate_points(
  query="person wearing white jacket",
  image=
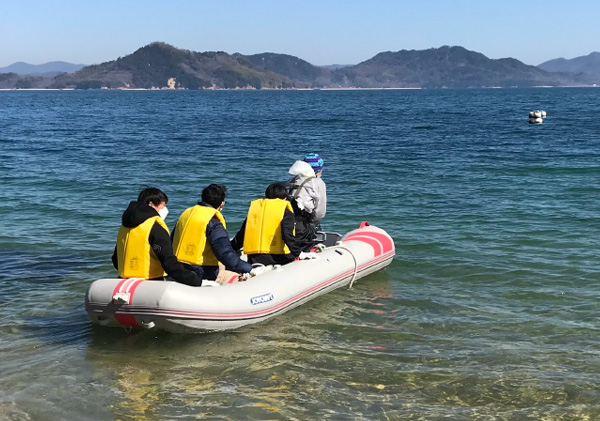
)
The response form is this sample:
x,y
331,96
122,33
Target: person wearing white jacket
x,y
308,195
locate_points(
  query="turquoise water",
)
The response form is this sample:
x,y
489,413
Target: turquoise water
x,y
489,310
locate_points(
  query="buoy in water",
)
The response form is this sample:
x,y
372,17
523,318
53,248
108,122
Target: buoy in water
x,y
535,117
535,114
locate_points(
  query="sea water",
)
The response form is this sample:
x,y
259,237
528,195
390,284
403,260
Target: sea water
x,y
488,311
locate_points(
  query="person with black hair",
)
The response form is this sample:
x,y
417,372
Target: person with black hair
x,y
267,233
143,247
200,239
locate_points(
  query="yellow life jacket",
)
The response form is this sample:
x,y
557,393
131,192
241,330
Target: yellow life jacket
x,y
136,259
190,243
263,227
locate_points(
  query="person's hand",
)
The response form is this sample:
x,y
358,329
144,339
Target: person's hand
x,y
258,270
209,283
307,256
255,272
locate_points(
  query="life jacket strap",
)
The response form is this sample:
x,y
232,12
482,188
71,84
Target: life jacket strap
x,y
300,187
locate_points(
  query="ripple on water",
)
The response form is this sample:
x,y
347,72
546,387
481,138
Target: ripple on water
x,y
487,312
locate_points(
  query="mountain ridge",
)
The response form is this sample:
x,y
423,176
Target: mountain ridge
x,y
159,65
589,64
50,68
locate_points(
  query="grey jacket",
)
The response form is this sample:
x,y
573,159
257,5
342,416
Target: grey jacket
x,y
312,197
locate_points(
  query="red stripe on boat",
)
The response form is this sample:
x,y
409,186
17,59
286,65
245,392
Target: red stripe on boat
x,y
119,285
132,289
126,320
129,320
386,242
127,285
377,246
257,313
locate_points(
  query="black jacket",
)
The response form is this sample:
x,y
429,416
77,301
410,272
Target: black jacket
x,y
287,233
160,242
218,239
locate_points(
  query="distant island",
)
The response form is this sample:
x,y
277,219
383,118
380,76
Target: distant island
x,y
162,66
52,68
589,64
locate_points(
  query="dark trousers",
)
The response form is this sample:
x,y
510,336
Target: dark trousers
x,y
203,272
306,234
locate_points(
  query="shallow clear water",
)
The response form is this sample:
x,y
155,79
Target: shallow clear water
x,y
489,310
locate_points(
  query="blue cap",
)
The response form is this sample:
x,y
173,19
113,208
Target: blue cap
x,y
315,161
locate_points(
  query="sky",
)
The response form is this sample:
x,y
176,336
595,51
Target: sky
x,y
321,32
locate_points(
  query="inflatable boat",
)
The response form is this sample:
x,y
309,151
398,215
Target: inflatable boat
x,y
171,306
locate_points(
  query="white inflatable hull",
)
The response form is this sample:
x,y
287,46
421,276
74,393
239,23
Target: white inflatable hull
x,y
176,307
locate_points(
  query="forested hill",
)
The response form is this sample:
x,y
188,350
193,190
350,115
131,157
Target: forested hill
x,y
301,72
159,65
589,64
445,67
452,67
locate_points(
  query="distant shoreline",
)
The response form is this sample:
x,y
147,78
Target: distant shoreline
x,y
210,89
295,89
159,66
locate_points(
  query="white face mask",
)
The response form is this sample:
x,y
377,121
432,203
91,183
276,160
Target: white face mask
x,y
163,213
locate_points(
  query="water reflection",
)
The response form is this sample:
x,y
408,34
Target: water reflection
x,y
271,370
